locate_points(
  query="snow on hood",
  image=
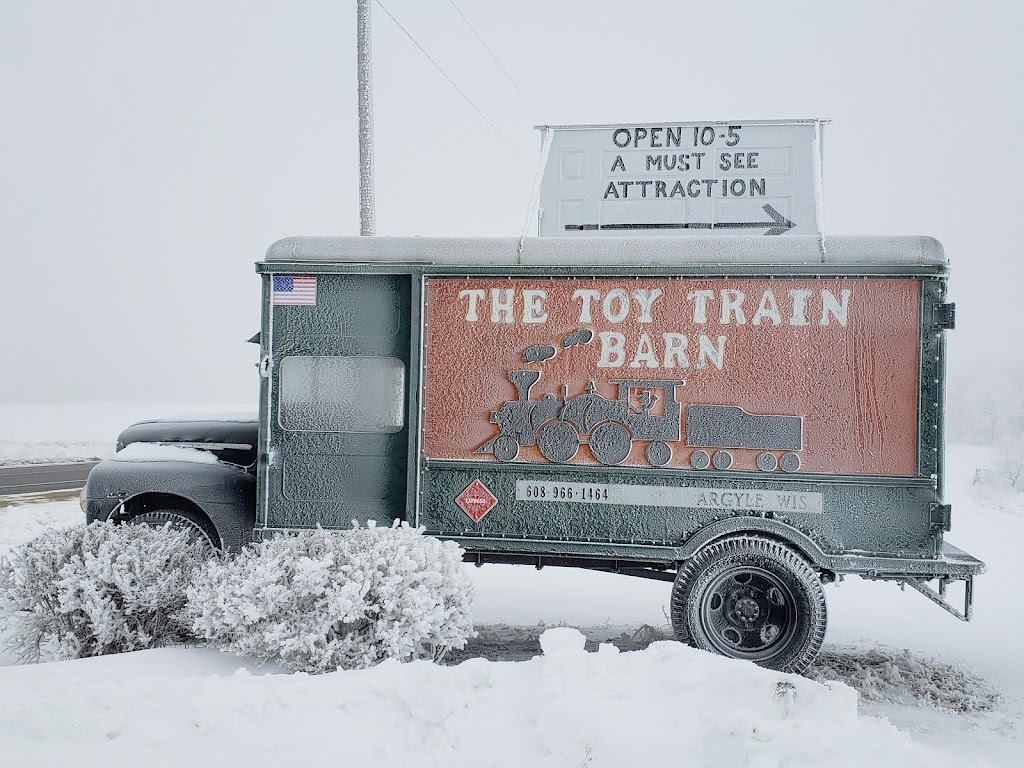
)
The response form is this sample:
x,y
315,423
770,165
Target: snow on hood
x,y
235,416
138,452
667,705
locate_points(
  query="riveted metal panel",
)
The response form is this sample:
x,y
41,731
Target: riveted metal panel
x,y
881,516
933,374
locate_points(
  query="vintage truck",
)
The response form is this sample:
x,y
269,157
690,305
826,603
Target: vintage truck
x,y
748,418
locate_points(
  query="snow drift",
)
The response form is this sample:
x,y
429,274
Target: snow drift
x,y
171,705
667,705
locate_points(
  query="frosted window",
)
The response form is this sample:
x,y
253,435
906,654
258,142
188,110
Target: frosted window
x,y
342,394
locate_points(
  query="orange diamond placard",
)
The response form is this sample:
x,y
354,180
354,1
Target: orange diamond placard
x,y
476,501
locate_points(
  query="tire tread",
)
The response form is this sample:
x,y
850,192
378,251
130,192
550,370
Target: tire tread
x,y
181,519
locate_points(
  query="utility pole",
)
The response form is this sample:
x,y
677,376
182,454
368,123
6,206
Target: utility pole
x,y
364,76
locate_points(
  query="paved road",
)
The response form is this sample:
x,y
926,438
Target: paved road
x,y
37,478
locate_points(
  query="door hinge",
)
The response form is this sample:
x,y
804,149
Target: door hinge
x,y
941,517
944,317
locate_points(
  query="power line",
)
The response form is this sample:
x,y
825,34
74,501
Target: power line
x,y
456,87
496,61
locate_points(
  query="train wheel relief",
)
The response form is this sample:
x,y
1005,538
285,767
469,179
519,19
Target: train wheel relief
x,y
751,598
506,448
790,462
722,459
658,453
558,441
610,443
700,460
767,462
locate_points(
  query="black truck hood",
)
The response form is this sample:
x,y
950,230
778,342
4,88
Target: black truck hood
x,y
231,437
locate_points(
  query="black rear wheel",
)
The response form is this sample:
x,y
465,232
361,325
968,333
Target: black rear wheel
x,y
751,598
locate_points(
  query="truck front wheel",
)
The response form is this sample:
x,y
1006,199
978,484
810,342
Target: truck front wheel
x,y
179,519
751,598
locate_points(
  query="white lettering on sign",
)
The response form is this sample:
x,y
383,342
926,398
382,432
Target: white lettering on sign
x,y
743,178
735,499
699,348
727,306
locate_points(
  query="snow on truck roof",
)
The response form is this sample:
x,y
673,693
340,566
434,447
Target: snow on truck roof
x,y
543,251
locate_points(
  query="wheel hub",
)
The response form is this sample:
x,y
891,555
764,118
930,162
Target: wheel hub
x,y
748,613
747,610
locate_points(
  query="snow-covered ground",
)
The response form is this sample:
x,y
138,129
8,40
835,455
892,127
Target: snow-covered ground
x,y
934,690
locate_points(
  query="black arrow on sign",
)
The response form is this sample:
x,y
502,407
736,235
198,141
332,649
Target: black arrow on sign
x,y
778,226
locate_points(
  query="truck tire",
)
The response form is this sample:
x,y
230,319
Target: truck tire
x,y
182,520
751,598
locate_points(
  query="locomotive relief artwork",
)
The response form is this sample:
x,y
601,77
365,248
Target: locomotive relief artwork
x,y
812,375
558,426
642,410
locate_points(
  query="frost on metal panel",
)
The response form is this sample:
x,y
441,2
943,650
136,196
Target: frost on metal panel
x,y
342,394
543,251
759,177
770,375
240,417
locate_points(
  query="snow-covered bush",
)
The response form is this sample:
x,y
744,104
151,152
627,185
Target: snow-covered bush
x,y
1009,460
97,589
319,600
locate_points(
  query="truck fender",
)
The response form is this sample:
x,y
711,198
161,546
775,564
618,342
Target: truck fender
x,y
224,494
785,533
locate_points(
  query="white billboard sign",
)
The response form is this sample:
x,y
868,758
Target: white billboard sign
x,y
730,178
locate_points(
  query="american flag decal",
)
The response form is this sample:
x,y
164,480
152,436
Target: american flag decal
x,y
293,290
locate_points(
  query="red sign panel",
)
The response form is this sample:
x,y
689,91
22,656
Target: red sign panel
x,y
476,500
809,375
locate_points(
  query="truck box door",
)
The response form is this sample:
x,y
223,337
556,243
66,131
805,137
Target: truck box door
x,y
335,404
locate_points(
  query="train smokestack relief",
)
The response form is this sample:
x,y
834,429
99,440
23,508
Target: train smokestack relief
x,y
523,381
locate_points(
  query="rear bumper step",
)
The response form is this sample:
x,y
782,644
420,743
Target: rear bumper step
x,y
939,598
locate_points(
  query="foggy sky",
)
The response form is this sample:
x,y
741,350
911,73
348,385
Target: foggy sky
x,y
151,151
